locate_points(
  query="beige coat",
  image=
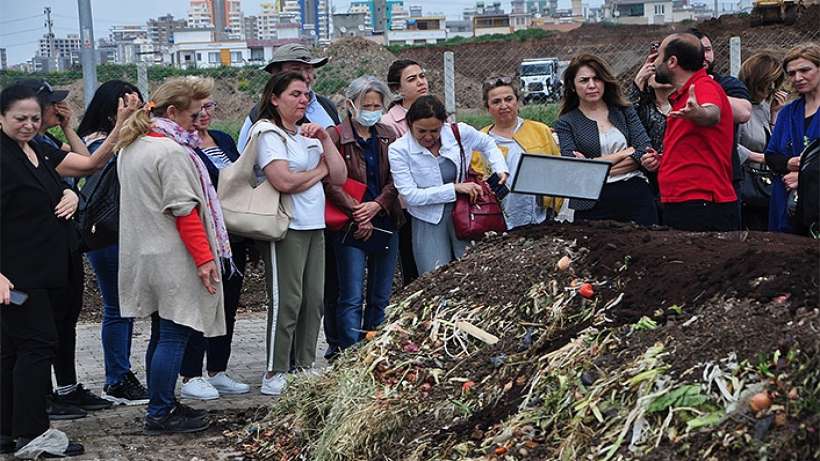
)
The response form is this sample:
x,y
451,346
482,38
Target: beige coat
x,y
158,182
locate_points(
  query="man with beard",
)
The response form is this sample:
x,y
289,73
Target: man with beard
x,y
695,175
739,99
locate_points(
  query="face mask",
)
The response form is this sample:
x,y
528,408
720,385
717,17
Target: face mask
x,y
367,118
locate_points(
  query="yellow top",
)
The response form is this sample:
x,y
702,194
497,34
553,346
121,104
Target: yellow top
x,y
534,138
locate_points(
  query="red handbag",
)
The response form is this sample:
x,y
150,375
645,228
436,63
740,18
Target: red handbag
x,y
473,220
336,219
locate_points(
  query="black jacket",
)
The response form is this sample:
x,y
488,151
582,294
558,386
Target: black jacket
x,y
578,133
34,243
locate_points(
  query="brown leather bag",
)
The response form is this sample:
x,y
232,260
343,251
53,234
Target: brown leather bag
x,y
473,220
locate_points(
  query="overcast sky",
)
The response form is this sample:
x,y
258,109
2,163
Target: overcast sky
x,y
22,22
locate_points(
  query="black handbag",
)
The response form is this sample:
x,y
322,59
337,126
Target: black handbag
x,y
100,216
756,188
807,206
379,241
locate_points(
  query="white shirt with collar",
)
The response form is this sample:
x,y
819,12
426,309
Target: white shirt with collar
x,y
417,176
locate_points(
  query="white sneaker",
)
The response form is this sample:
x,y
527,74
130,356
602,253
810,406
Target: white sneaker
x,y
227,385
274,385
199,389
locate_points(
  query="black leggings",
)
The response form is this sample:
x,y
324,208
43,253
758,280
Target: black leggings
x,y
409,271
66,306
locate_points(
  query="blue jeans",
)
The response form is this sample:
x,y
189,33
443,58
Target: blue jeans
x,y
351,263
116,331
163,360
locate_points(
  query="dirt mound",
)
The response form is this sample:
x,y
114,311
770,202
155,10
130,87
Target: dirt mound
x,y
500,354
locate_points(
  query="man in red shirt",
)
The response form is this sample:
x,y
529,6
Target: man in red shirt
x,y
695,176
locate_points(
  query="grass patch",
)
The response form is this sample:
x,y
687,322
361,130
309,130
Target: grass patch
x,y
479,118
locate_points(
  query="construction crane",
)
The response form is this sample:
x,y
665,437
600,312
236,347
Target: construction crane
x,y
779,11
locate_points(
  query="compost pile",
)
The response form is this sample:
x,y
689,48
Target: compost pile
x,y
601,341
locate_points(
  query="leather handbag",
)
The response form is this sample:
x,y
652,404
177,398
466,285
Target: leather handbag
x,y
380,240
756,188
253,208
807,209
472,220
335,218
99,218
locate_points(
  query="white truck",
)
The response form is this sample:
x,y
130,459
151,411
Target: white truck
x,y
540,80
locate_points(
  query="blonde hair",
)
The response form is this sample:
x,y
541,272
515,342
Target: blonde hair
x,y
179,92
809,51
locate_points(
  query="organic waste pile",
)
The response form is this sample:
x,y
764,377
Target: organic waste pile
x,y
598,341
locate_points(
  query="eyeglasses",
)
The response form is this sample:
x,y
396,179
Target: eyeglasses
x,y
209,107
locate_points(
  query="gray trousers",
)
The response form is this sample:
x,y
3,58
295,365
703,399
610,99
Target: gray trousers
x,y
295,276
435,245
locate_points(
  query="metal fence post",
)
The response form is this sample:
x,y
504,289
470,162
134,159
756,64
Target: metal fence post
x,y
450,84
142,80
87,57
734,56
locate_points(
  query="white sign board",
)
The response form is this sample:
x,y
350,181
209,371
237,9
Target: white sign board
x,y
560,176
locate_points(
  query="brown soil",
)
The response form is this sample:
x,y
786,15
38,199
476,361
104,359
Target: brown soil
x,y
654,269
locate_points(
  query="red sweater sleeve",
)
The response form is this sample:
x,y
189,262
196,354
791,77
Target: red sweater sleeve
x,y
193,235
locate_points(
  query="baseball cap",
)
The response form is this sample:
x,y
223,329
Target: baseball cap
x,y
294,52
44,90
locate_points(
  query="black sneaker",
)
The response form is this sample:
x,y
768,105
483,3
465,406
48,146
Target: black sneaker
x,y
73,449
58,411
83,398
191,412
128,392
174,422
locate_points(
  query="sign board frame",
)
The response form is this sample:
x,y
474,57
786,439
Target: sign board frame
x,y
599,168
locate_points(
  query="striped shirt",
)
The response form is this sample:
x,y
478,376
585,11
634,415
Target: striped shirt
x,y
217,157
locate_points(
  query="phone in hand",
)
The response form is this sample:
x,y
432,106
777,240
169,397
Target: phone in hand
x,y
654,47
500,190
18,298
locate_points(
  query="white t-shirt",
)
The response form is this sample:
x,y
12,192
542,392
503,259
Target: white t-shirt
x,y
302,154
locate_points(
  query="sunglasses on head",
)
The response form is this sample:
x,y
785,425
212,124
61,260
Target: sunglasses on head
x,y
44,87
493,82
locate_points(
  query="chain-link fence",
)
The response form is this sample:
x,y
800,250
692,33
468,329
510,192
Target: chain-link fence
x,y
625,49
625,53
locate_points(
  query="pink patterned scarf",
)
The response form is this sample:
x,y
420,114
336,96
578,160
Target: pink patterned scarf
x,y
190,141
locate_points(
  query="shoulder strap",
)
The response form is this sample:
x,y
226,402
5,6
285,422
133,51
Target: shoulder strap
x,y
457,134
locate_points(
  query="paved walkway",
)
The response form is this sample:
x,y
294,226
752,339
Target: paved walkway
x,y
116,434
